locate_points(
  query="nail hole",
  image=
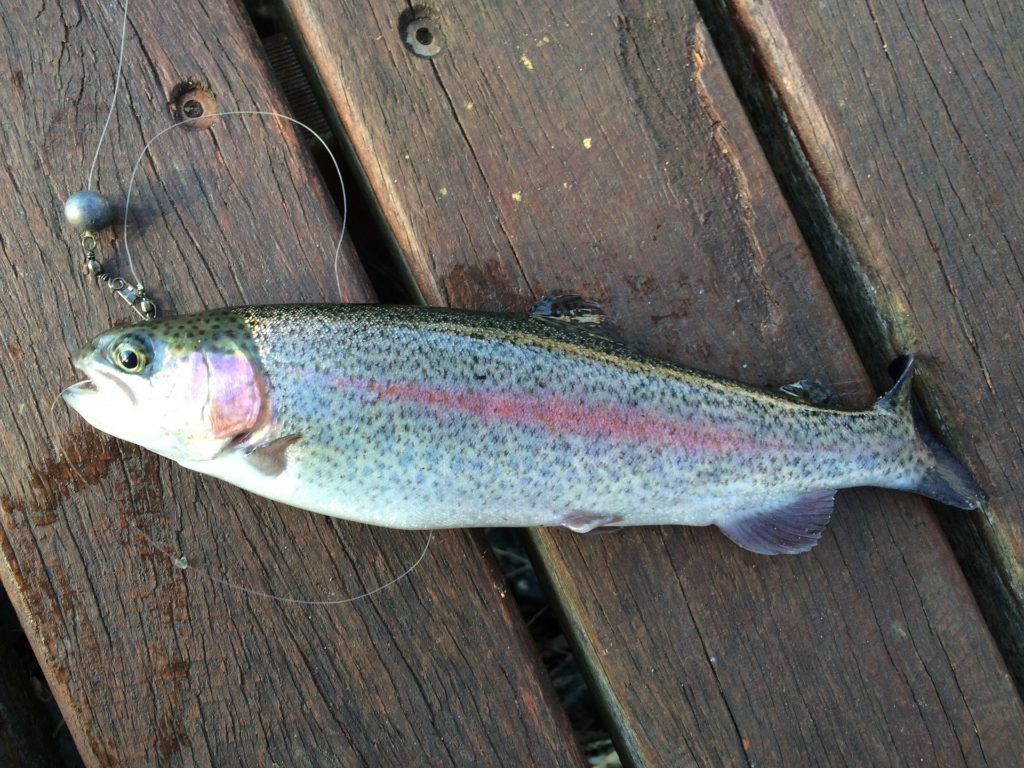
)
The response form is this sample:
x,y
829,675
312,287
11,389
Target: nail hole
x,y
194,104
420,32
192,109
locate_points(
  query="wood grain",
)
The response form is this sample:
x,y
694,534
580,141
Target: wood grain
x,y
152,665
599,148
908,118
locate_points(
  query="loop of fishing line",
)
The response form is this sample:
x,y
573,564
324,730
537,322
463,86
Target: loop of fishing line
x,y
181,563
89,213
236,113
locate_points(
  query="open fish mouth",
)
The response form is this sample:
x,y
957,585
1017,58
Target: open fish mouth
x,y
96,406
100,382
80,394
83,388
101,399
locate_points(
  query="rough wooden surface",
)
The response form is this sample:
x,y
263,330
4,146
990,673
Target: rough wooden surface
x,y
598,147
909,119
152,665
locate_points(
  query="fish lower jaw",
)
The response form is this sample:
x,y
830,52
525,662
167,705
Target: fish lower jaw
x,y
85,399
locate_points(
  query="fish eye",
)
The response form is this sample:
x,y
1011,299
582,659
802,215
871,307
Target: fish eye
x,y
130,355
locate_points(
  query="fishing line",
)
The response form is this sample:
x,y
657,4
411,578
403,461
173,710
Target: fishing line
x,y
300,601
89,213
180,561
113,98
231,113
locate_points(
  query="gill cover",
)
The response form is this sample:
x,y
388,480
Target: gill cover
x,y
184,387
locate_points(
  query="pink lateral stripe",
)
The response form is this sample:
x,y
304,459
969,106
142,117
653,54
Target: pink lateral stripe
x,y
557,414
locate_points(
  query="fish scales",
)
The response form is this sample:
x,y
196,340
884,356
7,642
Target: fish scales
x,y
418,417
434,418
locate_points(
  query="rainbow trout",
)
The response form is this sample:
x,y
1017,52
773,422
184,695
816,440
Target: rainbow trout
x,y
436,418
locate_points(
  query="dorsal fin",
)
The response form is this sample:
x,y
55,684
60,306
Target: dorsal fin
x,y
807,391
568,308
572,310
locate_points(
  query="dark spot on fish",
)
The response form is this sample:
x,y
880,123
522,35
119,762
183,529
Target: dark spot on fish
x,y
14,350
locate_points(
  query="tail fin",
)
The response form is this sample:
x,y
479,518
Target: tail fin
x,y
946,480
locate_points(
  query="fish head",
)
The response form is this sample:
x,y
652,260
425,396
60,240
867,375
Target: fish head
x,y
180,387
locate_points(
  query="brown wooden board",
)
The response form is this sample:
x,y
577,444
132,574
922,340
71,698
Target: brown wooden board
x,y
908,117
153,665
598,147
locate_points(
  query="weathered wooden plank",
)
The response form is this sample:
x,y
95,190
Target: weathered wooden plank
x,y
152,665
908,117
599,147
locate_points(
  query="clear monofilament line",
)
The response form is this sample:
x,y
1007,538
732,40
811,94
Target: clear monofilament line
x,y
230,113
342,601
113,99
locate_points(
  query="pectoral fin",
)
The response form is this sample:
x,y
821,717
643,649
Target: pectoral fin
x,y
789,529
271,458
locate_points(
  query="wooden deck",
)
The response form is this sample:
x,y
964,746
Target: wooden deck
x,y
613,149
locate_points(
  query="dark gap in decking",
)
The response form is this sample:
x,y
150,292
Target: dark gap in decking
x,y
393,284
545,622
979,559
32,730
372,243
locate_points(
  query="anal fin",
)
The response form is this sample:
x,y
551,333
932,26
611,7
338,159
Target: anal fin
x,y
788,529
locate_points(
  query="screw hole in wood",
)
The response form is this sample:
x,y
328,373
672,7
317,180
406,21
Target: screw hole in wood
x,y
194,103
420,32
